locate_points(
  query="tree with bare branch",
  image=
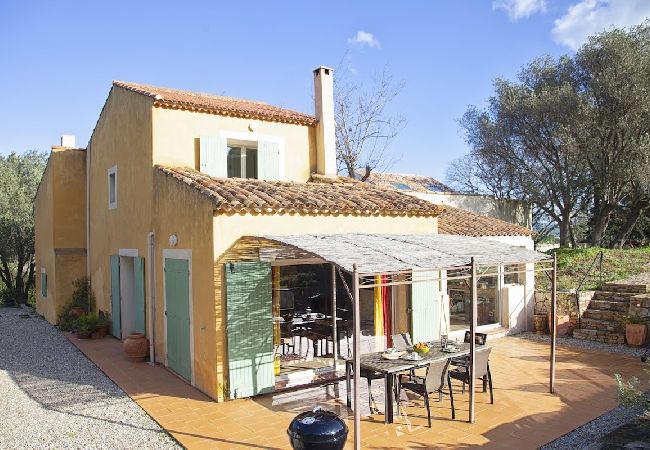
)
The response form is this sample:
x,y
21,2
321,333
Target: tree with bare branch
x,y
364,128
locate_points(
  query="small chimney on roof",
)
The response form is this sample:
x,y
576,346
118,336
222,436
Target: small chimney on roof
x,y
325,130
68,141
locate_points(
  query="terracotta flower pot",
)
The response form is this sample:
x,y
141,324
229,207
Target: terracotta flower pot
x,y
635,334
101,330
539,321
76,312
136,347
563,324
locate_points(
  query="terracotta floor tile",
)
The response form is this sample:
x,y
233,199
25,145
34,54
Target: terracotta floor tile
x,y
525,414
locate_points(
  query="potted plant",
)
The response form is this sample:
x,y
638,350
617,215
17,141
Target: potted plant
x,y
85,325
635,330
540,321
103,322
564,307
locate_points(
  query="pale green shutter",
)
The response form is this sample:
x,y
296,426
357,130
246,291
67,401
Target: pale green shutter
x,y
268,160
249,328
213,156
138,294
425,307
115,296
177,294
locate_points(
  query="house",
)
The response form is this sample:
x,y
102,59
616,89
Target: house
x,y
181,191
428,188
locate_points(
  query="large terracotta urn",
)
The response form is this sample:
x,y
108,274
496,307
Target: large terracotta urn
x,y
635,334
136,347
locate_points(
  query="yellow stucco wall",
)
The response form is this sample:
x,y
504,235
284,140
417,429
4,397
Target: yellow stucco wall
x,y
122,138
60,225
228,229
176,139
180,210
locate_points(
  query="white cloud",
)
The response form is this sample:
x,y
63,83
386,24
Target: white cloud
x,y
520,9
589,17
364,38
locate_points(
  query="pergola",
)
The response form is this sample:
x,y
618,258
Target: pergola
x,y
409,259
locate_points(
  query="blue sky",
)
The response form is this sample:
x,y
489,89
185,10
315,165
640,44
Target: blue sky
x,y
58,58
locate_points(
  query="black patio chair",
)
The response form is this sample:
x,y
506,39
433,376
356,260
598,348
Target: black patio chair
x,y
369,375
482,371
479,339
435,381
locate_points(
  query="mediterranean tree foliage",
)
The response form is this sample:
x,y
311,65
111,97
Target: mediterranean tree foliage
x,y
19,178
571,135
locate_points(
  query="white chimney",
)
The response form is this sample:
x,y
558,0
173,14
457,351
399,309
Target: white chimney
x,y
68,141
325,130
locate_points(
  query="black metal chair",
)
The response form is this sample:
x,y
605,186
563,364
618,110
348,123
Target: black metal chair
x,y
482,371
435,381
479,339
369,375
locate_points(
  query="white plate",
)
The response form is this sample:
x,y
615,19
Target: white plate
x,y
392,355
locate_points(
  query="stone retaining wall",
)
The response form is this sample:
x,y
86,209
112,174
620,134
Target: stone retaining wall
x,y
566,300
640,304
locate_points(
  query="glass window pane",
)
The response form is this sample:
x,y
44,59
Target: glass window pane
x,y
234,162
251,162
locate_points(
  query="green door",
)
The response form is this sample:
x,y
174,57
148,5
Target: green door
x,y
425,307
177,295
138,294
116,310
249,328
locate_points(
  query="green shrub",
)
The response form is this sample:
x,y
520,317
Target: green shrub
x,y
632,319
86,323
82,297
7,296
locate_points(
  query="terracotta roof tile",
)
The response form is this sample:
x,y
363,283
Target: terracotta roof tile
x,y
417,183
216,104
338,196
465,223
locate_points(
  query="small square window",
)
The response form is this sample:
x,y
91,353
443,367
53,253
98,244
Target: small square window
x,y
112,187
43,283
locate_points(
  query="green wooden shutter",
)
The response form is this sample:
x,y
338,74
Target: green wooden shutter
x,y
249,328
268,160
115,297
138,294
213,156
44,284
177,295
425,307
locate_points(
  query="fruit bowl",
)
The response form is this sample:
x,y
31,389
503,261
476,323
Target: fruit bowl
x,y
421,348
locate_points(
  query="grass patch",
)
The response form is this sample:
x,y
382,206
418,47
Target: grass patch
x,y
573,263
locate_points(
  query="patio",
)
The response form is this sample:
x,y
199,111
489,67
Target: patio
x,y
524,415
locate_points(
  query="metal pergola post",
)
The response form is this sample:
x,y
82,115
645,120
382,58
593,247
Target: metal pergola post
x,y
472,340
356,357
335,341
553,322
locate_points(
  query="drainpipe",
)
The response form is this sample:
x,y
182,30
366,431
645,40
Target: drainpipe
x,y
152,297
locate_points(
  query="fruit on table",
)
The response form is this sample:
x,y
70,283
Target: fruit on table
x,y
421,347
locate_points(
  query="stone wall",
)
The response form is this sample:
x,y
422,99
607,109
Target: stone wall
x,y
566,301
640,304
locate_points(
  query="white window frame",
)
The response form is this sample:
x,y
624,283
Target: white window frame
x,y
255,137
112,172
244,146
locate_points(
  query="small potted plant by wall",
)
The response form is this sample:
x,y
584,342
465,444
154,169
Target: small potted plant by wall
x,y
635,330
85,325
540,321
103,322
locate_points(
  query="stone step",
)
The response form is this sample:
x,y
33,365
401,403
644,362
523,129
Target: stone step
x,y
626,288
600,336
601,325
609,305
603,314
613,296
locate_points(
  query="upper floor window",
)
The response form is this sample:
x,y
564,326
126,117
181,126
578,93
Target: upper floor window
x,y
242,161
259,157
112,187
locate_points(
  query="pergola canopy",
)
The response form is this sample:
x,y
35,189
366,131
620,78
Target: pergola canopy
x,y
384,253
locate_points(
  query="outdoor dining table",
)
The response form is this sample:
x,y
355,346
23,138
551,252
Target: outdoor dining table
x,y
391,367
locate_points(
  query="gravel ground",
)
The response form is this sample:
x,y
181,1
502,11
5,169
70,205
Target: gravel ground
x,y
588,435
52,396
588,345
